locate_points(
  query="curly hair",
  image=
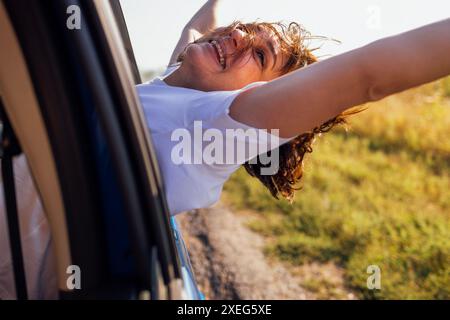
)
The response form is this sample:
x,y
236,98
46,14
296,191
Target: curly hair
x,y
293,40
291,159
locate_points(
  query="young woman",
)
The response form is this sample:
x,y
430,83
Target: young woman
x,y
261,75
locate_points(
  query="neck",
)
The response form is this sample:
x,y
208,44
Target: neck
x,y
182,77
177,79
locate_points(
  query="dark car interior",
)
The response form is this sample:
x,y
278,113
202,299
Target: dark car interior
x,y
114,220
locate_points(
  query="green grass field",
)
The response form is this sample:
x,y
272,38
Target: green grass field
x,y
378,194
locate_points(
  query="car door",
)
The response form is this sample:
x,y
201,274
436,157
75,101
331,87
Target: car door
x,y
90,152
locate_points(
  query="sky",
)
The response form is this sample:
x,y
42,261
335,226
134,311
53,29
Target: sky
x,y
155,25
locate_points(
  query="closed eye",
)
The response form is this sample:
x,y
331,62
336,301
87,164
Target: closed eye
x,y
261,57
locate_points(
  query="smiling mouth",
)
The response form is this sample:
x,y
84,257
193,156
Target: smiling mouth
x,y
219,53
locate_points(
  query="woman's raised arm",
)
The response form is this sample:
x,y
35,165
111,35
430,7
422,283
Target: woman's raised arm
x,y
299,101
200,23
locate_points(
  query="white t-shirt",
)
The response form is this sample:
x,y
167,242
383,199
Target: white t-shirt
x,y
188,186
169,109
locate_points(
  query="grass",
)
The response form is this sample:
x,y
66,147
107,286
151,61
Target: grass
x,y
376,195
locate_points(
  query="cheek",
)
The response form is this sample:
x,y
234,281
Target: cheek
x,y
247,71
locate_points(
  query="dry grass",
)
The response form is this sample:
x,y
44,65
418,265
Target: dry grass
x,y
378,194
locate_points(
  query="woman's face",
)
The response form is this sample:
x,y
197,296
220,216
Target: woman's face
x,y
210,65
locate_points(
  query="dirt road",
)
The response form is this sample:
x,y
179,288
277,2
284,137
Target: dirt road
x,y
228,261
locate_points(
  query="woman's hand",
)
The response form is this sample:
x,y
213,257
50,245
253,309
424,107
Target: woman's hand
x,y
204,20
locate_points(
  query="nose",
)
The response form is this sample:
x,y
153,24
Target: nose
x,y
237,36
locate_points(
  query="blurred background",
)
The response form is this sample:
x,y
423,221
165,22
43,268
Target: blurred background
x,y
377,193
155,26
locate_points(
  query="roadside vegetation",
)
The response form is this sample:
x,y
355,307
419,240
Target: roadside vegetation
x,y
377,194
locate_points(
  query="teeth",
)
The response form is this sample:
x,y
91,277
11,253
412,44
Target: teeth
x,y
219,49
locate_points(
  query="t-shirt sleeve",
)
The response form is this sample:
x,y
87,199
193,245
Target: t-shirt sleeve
x,y
226,140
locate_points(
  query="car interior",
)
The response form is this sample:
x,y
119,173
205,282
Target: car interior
x,y
68,103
